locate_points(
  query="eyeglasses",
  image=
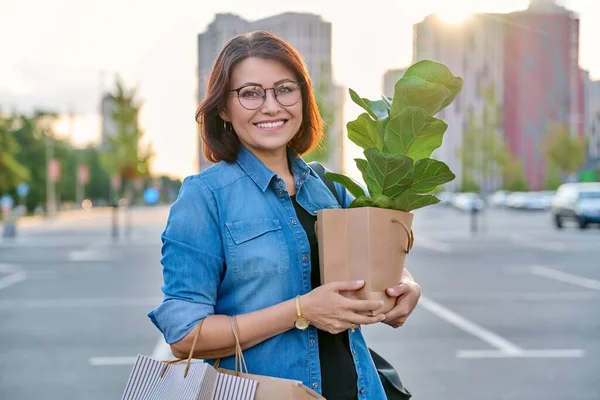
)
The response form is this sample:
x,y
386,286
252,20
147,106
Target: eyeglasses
x,y
252,97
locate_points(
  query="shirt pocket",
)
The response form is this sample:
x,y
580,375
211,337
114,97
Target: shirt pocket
x,y
257,248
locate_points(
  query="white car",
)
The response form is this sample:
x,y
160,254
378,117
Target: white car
x,y
468,202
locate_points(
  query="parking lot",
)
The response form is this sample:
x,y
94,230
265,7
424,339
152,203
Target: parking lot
x,y
510,312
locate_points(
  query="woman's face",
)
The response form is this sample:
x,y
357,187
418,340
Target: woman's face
x,y
264,128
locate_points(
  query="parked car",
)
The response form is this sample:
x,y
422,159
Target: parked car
x,y
468,201
498,199
577,201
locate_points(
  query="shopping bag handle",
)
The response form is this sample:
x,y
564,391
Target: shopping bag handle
x,y
409,233
189,359
240,362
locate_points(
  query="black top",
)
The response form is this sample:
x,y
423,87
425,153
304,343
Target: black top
x,y
338,374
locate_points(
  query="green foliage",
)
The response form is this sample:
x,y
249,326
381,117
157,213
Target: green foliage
x,y
564,150
484,153
399,136
327,109
514,177
124,158
12,172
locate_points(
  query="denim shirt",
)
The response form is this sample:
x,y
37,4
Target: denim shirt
x,y
232,245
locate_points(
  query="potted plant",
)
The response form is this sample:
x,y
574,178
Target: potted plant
x,y
370,239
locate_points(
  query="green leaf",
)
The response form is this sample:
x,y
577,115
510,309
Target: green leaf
x,y
362,201
414,91
435,72
352,186
414,133
376,109
429,174
409,201
393,174
365,132
368,177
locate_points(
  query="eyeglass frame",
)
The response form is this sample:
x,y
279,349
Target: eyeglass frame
x,y
265,96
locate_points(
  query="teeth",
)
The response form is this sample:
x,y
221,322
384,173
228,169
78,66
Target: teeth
x,y
270,124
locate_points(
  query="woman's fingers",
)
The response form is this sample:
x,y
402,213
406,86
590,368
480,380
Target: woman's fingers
x,y
359,319
364,305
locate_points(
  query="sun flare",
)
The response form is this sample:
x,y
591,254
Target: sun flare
x,y
453,16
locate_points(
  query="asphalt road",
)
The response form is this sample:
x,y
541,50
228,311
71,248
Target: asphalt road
x,y
508,313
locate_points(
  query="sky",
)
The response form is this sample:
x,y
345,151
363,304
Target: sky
x,y
60,55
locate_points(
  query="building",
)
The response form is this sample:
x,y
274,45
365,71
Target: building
x,y
308,33
530,58
592,124
390,78
472,50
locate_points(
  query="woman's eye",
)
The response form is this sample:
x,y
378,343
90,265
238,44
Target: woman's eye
x,y
249,94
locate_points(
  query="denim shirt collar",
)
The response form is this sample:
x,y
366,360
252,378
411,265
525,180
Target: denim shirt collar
x,y
260,174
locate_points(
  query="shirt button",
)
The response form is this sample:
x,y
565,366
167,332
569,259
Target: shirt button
x,y
312,342
294,222
304,173
299,184
362,390
304,258
353,352
280,183
315,385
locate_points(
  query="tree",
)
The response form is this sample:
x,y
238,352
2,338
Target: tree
x,y
12,172
484,154
514,176
124,158
564,150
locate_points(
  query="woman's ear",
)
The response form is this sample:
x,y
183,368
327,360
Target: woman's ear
x,y
224,116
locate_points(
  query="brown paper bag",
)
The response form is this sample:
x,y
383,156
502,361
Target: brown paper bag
x,y
269,388
365,243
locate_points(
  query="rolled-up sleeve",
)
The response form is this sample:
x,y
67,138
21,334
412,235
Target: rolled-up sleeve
x,y
192,260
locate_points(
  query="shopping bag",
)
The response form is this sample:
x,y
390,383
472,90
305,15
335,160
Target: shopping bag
x,y
147,381
158,380
269,388
367,244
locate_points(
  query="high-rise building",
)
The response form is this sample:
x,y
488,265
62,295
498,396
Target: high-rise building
x,y
390,78
308,33
530,58
592,121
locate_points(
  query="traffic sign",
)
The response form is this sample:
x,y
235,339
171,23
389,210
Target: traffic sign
x,y
23,189
6,202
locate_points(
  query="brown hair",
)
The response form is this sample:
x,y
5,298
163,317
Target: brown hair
x,y
219,141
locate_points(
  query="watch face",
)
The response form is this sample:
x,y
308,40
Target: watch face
x,y
301,324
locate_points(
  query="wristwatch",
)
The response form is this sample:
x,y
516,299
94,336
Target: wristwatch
x,y
301,322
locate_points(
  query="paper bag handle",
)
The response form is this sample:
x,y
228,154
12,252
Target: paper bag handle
x,y
409,233
240,362
239,356
189,359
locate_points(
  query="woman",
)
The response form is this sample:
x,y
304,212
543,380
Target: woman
x,y
240,238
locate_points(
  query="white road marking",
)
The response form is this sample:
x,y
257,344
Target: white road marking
x,y
435,245
79,303
504,347
567,353
109,361
479,332
12,279
565,277
162,351
89,255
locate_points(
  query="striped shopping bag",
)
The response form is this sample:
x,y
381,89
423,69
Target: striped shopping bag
x,y
148,382
151,379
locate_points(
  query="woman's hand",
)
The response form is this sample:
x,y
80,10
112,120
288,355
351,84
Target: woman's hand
x,y
328,310
407,295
